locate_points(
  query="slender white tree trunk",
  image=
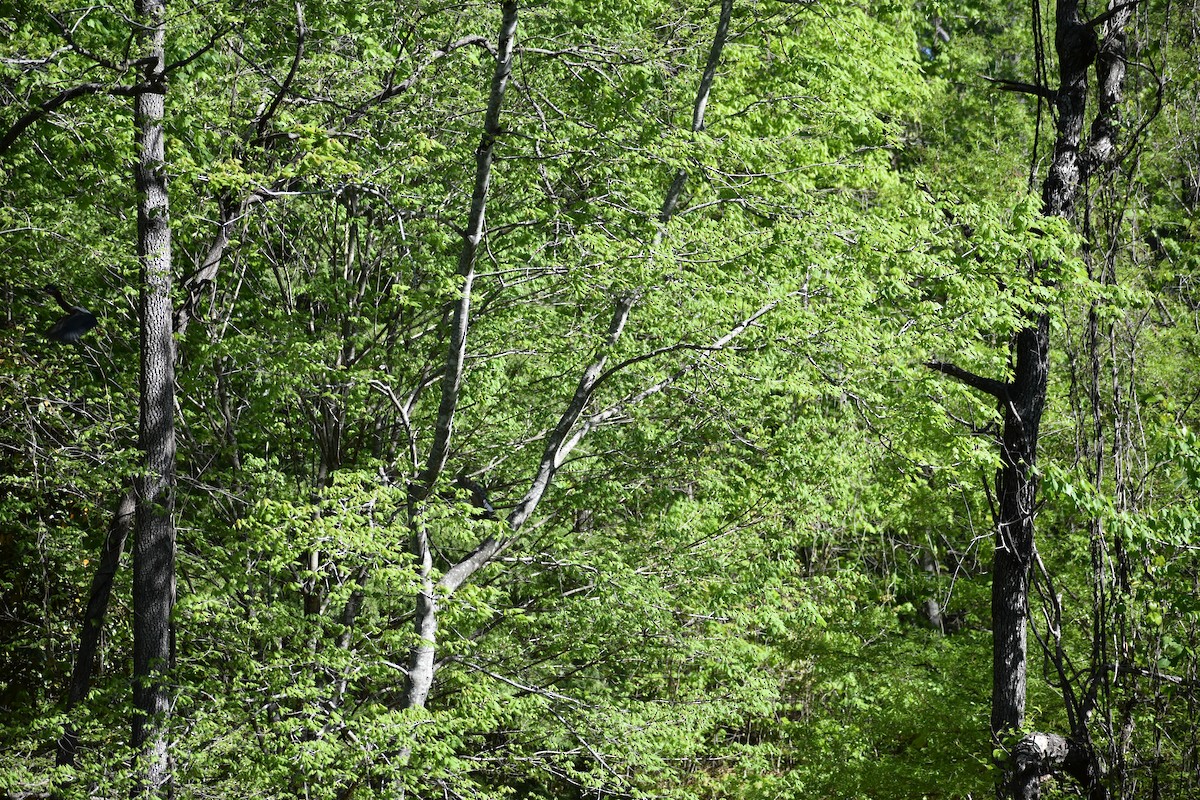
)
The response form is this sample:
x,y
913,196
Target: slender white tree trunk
x,y
421,660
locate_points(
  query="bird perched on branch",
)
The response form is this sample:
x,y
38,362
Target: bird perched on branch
x,y
74,324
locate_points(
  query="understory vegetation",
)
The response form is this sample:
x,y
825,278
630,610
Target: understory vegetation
x,y
600,398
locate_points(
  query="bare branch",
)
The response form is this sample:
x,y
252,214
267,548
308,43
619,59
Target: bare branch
x,y
1023,88
702,95
396,89
301,32
995,388
68,34
614,411
472,237
402,410
52,104
1121,8
94,87
557,444
216,36
552,455
520,686
710,67
1151,674
93,620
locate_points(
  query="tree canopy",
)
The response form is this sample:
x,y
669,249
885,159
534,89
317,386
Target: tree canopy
x,y
640,398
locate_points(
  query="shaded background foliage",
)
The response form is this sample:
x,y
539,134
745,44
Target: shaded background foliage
x,y
726,591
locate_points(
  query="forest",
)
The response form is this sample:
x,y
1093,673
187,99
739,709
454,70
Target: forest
x,y
674,399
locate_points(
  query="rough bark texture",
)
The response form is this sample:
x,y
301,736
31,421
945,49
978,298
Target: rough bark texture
x,y
1075,44
1025,398
1039,756
154,545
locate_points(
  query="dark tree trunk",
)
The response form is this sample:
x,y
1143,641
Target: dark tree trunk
x,y
1075,43
1038,755
1041,755
1025,400
154,545
93,621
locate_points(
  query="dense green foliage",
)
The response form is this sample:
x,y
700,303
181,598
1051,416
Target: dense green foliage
x,y
725,592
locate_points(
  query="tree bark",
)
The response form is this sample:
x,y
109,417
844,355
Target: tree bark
x,y
154,545
1041,755
1016,490
1025,400
698,110
472,238
1110,622
421,660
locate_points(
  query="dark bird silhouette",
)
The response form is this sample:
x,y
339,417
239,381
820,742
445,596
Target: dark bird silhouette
x,y
74,324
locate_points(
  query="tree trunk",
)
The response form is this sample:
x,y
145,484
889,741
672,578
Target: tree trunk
x,y
1075,44
1024,397
1040,755
93,621
421,659
154,546
1017,493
